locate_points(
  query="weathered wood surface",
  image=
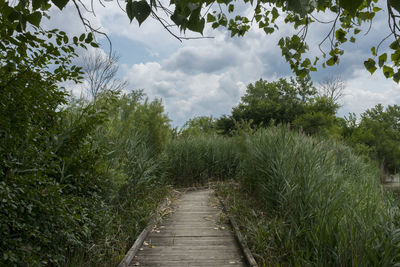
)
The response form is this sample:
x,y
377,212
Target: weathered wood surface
x,y
194,234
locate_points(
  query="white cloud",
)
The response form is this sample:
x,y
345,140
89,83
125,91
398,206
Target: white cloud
x,y
208,76
185,95
364,91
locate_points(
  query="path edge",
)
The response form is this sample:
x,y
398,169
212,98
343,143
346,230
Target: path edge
x,y
140,239
239,237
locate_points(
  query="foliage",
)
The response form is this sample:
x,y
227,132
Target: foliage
x,y
319,117
379,131
62,194
198,125
349,17
134,114
132,178
295,102
280,101
39,209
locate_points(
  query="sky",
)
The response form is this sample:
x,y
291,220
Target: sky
x,y
207,77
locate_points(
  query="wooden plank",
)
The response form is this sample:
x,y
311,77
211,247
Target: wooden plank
x,y
190,241
242,242
139,240
194,234
191,262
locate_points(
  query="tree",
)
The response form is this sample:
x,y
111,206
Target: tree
x,y
40,206
199,125
318,117
333,88
380,129
100,71
279,101
349,16
377,135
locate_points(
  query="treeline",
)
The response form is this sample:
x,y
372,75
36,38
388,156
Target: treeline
x,y
298,103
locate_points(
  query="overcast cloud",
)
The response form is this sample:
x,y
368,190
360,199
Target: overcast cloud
x,y
208,76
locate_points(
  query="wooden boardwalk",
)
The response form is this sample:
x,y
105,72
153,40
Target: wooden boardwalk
x,y
194,234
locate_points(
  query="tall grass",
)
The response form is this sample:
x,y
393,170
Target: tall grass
x,y
324,203
304,201
195,160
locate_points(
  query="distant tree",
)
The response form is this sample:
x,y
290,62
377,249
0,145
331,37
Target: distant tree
x,y
377,135
224,125
380,129
100,71
318,117
332,87
281,101
198,125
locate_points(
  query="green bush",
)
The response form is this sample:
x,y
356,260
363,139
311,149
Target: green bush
x,y
75,192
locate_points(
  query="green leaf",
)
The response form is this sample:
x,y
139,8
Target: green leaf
x,y
395,57
350,5
215,25
300,7
387,71
94,44
210,18
268,30
395,45
231,8
60,3
192,6
373,51
195,23
382,60
395,4
370,65
341,35
141,10
396,77
89,38
331,61
36,4
129,10
82,37
275,14
35,18
376,9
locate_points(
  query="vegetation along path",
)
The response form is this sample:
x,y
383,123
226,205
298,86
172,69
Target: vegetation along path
x,y
194,234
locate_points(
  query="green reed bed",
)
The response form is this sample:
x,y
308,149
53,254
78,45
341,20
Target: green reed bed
x,y
195,160
323,205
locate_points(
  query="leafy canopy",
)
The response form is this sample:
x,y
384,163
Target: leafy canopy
x,y
348,17
379,129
